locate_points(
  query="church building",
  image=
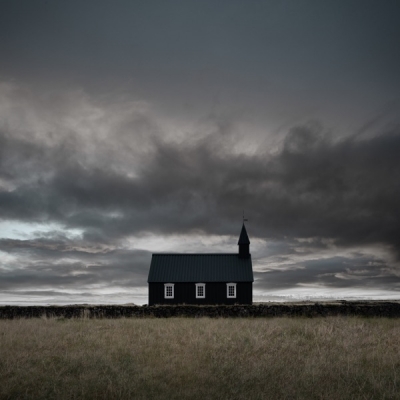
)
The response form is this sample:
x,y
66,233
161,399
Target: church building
x,y
208,278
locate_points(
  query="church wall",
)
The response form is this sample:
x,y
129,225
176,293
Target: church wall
x,y
185,293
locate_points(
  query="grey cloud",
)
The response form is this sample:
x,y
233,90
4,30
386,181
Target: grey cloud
x,y
60,262
315,187
334,273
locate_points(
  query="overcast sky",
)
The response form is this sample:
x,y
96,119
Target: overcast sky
x,y
133,127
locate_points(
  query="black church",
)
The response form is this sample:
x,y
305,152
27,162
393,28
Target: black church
x,y
207,278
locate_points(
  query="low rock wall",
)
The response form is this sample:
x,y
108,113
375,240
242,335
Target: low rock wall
x,y
364,309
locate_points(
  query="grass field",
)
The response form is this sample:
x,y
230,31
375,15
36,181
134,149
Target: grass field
x,y
280,358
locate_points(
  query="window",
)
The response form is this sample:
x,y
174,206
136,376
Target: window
x,y
200,290
231,290
169,290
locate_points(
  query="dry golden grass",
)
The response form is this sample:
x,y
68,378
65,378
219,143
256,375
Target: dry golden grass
x,y
282,358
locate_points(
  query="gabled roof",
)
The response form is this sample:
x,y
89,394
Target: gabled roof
x,y
243,238
200,268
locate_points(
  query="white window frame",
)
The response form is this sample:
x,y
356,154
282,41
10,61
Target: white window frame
x,y
169,285
198,285
228,285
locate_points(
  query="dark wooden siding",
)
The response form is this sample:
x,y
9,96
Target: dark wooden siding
x,y
185,293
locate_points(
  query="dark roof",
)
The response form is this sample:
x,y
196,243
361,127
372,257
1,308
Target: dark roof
x,y
243,238
200,268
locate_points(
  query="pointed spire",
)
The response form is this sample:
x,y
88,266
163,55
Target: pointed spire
x,y
244,243
243,238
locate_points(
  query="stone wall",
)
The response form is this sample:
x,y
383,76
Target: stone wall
x,y
364,309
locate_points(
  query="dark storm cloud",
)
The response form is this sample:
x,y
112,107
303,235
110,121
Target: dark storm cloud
x,y
346,190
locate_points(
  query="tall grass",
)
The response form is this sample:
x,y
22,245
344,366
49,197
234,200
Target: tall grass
x,y
327,358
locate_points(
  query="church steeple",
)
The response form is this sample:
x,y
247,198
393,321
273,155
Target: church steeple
x,y
244,243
